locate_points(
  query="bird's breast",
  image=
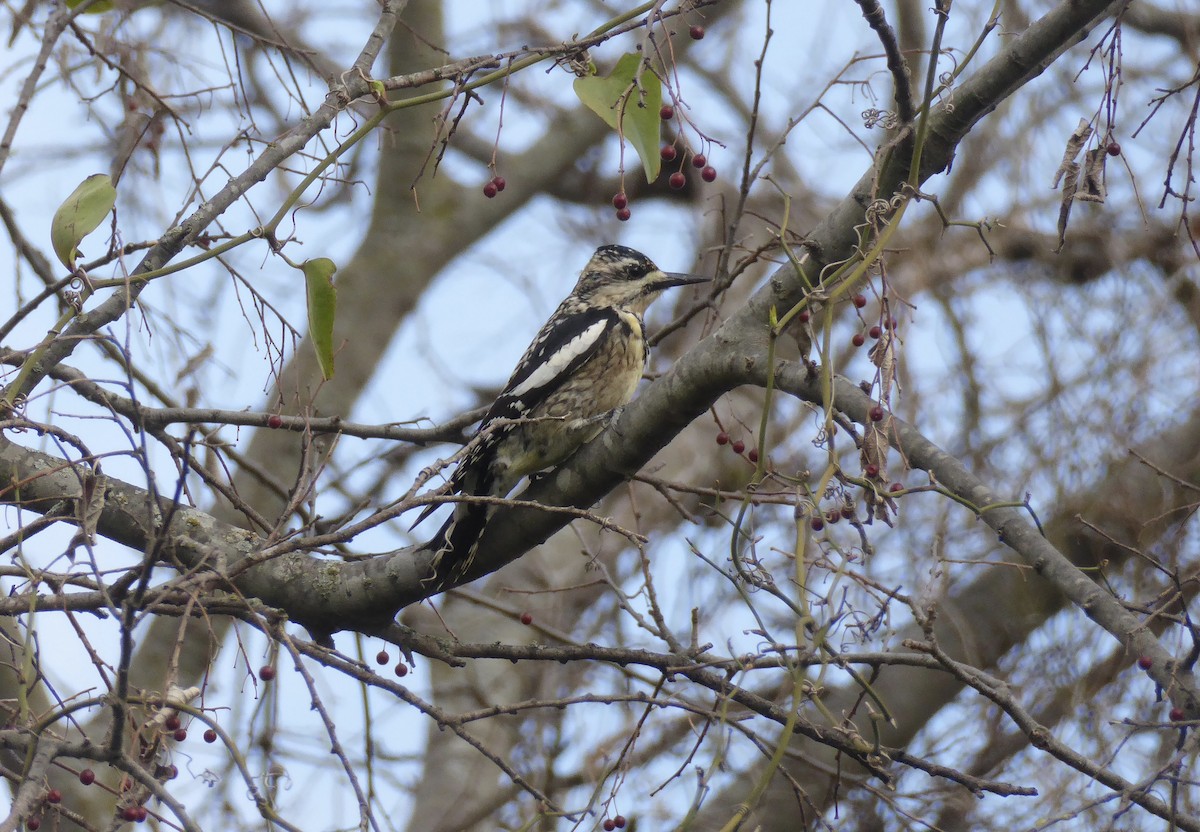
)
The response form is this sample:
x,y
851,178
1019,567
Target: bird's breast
x,y
572,414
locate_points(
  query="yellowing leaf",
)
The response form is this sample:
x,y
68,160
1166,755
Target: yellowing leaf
x,y
322,306
81,214
628,108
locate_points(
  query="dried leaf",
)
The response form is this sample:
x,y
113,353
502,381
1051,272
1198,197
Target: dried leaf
x,y
874,452
1070,186
1068,169
89,505
1091,183
883,356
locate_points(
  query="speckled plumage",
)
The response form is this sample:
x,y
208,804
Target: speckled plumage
x,y
584,362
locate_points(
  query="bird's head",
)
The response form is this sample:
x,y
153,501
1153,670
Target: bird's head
x,y
621,277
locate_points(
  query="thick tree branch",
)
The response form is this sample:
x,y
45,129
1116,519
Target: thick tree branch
x,y
333,595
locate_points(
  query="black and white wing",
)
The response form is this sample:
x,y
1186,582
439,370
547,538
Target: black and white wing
x,y
567,342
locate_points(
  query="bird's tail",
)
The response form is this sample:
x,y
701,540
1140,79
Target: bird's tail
x,y
456,543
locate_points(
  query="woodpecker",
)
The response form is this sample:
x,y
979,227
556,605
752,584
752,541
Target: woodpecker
x,y
584,363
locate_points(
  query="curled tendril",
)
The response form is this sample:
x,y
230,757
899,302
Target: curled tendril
x,y
754,575
877,209
81,281
880,118
580,63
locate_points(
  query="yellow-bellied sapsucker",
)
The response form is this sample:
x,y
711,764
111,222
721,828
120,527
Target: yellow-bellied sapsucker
x,y
585,362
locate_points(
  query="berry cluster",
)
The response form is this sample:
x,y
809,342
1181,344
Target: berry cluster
x,y
133,813
876,330
494,186
677,180
738,446
832,516
382,658
669,153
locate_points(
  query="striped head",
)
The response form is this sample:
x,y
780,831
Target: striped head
x,y
620,277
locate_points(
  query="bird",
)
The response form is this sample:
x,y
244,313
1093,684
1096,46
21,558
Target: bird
x,y
583,364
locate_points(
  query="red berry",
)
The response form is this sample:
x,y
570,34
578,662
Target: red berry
x,y
33,824
500,183
832,516
859,301
738,446
130,813
1177,715
666,112
490,190
274,421
668,153
210,735
872,471
87,777
876,413
752,455
1113,149
817,524
890,323
172,722
170,772
266,673
526,619
609,825
804,316
699,160
722,438
895,487
620,201
401,670
858,340
875,331
677,180
696,32
1145,662
142,814
709,174
382,657
619,821
54,796
623,214
180,735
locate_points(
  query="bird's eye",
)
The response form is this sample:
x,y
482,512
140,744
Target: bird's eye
x,y
636,271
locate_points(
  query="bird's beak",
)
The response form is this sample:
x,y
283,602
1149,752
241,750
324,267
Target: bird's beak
x,y
670,279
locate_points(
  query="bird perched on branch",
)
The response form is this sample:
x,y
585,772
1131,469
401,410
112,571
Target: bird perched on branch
x,y
584,362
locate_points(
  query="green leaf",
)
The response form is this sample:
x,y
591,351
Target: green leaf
x,y
322,306
627,108
99,7
80,215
